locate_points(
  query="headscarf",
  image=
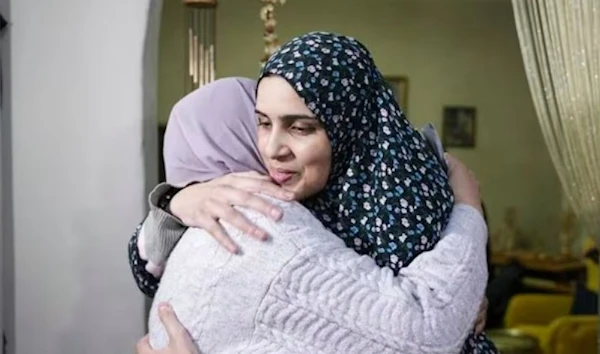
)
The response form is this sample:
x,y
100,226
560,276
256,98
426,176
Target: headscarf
x,y
388,195
211,132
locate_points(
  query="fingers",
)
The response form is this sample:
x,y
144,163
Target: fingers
x,y
247,199
213,227
450,161
453,162
175,330
250,174
481,316
262,185
228,213
480,327
143,346
215,201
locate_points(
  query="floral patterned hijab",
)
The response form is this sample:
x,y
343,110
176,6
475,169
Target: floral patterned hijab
x,y
388,195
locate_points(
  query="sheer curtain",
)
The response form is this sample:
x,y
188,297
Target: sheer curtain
x,y
560,44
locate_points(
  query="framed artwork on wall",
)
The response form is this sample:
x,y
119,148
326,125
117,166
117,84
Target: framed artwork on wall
x,y
458,126
399,85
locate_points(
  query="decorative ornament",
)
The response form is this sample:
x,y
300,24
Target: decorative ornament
x,y
267,15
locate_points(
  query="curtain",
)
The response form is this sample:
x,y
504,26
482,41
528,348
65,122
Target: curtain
x,y
560,44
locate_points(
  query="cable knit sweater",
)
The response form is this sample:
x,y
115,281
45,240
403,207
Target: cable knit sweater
x,y
304,291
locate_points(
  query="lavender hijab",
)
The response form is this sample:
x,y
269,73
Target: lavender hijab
x,y
212,132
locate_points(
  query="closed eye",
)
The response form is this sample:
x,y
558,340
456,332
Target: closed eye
x,y
303,130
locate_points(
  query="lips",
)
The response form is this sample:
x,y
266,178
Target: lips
x,y
281,176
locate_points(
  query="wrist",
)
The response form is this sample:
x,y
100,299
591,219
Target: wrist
x,y
164,202
473,204
166,199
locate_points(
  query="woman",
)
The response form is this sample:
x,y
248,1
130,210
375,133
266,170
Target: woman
x,y
219,296
386,259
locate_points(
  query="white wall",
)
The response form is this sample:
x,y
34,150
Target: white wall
x,y
78,171
6,234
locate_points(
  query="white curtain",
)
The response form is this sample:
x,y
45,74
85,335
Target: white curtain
x,y
560,43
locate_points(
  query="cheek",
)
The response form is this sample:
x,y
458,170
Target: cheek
x,y
324,167
317,161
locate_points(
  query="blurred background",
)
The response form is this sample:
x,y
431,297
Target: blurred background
x,y
511,86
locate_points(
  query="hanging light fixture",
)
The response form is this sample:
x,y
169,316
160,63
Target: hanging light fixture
x,y
201,42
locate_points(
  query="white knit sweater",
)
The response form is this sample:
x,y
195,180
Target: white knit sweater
x,y
304,291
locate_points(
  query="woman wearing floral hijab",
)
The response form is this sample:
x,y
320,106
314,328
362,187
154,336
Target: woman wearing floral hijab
x,y
387,194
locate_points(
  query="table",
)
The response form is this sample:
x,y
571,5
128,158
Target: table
x,y
554,274
512,341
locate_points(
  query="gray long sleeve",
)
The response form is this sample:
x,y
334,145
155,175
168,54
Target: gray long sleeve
x,y
161,230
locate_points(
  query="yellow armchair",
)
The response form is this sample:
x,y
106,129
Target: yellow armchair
x,y
536,309
572,334
546,317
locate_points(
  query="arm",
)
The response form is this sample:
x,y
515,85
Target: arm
x,y
145,281
430,307
152,242
306,289
198,205
201,205
162,230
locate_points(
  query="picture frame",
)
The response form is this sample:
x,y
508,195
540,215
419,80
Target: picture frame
x,y
399,86
459,126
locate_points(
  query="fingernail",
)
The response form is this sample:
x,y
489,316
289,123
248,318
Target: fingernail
x,y
261,234
164,308
276,214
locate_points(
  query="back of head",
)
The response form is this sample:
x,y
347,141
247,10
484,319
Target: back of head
x,y
388,195
212,132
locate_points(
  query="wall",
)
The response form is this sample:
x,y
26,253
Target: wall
x,y
78,111
7,314
453,52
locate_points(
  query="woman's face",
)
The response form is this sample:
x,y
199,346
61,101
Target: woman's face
x,y
291,140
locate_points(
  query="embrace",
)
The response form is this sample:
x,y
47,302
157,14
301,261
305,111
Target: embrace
x,y
303,213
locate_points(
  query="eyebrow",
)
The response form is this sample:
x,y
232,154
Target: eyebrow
x,y
289,117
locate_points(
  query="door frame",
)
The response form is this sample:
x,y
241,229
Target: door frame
x,y
7,314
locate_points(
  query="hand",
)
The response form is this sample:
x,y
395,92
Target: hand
x,y
481,316
180,341
202,205
464,184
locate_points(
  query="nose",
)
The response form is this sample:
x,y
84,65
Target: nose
x,y
277,147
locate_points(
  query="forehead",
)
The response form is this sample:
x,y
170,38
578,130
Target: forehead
x,y
275,96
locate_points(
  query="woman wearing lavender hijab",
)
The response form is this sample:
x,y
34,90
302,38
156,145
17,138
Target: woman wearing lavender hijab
x,y
298,139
